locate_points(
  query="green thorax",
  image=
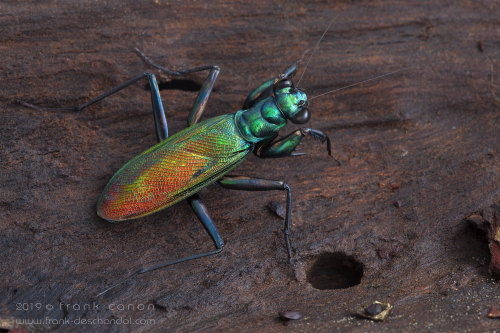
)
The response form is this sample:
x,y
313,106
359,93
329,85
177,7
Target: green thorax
x,y
262,121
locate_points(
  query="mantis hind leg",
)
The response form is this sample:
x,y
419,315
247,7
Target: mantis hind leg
x,y
159,113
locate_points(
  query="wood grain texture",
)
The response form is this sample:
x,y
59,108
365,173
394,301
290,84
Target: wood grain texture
x,y
427,138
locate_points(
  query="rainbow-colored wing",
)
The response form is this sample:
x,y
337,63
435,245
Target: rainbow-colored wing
x,y
173,170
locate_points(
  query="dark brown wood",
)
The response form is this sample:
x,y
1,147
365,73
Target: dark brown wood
x,y
426,139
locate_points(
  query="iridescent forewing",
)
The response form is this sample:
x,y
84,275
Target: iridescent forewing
x,y
173,169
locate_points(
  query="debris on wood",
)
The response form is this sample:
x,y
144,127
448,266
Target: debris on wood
x,y
377,311
289,315
494,312
277,209
383,253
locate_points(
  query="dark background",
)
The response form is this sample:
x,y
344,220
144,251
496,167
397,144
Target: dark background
x,y
426,138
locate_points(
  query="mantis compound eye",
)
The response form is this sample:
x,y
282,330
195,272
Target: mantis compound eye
x,y
302,117
282,84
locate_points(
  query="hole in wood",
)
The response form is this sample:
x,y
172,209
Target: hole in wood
x,y
335,271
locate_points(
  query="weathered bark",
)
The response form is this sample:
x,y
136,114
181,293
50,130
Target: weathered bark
x,y
419,152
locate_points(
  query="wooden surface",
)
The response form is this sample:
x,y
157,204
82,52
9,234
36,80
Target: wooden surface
x,y
427,139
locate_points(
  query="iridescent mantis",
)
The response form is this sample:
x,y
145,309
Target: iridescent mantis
x,y
179,166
